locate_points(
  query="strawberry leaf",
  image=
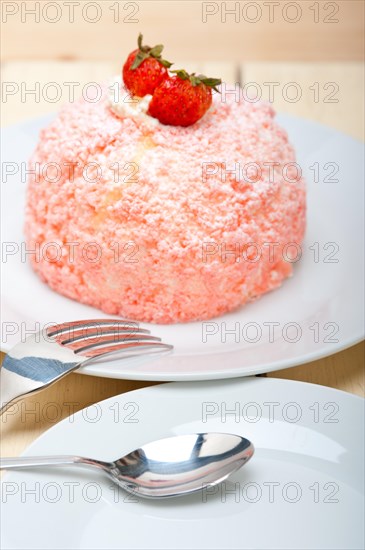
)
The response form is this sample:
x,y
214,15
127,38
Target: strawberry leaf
x,y
144,52
211,82
165,63
181,73
156,50
199,79
139,41
140,57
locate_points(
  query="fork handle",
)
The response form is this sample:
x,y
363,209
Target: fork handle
x,y
28,375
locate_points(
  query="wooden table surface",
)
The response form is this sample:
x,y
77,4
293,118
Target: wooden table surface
x,y
344,370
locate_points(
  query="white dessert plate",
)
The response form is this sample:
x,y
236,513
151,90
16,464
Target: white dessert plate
x,y
319,311
303,488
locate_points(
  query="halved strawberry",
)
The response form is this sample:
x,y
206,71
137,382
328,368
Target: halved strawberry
x,y
183,99
145,69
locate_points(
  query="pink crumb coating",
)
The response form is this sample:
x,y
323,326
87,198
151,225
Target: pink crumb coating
x,y
164,226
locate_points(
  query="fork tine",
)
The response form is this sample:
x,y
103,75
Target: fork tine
x,y
92,333
76,326
100,344
128,349
60,353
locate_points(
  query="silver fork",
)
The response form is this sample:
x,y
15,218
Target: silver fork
x,y
52,353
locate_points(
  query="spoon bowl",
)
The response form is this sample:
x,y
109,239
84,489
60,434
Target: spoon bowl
x,y
164,468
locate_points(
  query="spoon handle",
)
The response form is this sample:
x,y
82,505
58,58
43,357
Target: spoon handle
x,y
38,461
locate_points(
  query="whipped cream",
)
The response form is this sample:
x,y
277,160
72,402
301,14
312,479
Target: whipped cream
x,y
123,104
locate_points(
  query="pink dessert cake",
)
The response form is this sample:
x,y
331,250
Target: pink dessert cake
x,y
164,223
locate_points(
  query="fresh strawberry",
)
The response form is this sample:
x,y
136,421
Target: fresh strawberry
x,y
145,69
183,99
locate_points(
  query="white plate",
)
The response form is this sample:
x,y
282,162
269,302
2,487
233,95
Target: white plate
x,y
303,488
324,299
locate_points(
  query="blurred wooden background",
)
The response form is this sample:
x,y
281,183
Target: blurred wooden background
x,y
305,30
308,42
261,41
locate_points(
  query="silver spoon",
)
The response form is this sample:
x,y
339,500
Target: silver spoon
x,y
165,468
